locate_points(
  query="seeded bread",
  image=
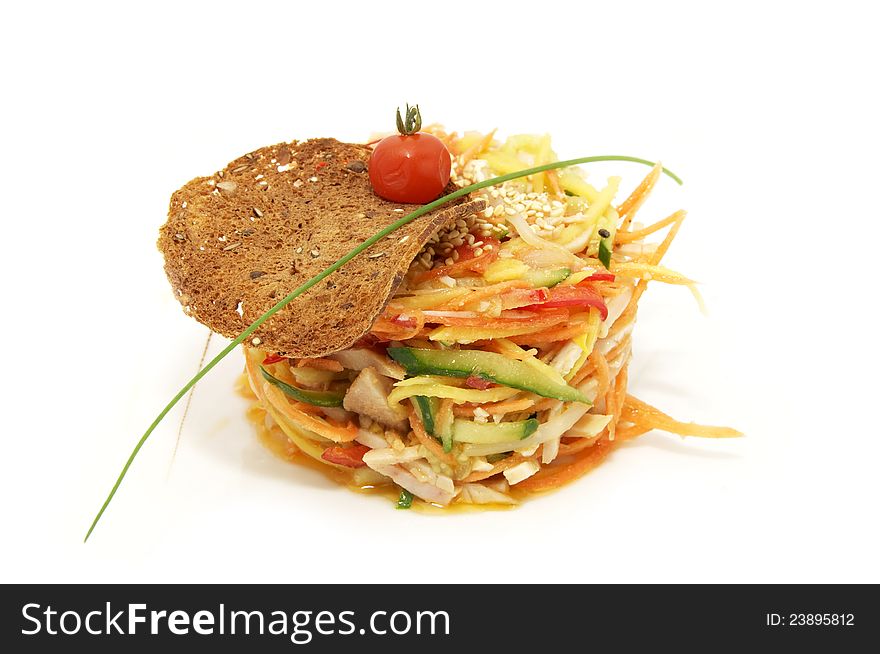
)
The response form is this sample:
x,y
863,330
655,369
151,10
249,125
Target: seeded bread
x,y
237,242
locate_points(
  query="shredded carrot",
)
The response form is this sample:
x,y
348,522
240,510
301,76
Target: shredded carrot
x,y
535,322
670,235
478,147
559,474
320,364
500,466
603,373
445,415
645,415
429,442
639,234
450,139
631,205
459,268
546,404
463,410
567,449
301,415
563,333
393,329
508,406
629,432
485,292
615,398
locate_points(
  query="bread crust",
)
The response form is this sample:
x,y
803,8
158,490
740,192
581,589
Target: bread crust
x,y
237,242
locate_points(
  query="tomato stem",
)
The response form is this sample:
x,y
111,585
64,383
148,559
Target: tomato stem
x,y
412,123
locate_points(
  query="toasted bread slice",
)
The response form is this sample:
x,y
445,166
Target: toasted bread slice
x,y
239,241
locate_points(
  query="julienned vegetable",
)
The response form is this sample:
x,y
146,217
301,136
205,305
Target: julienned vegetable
x,y
488,365
318,398
606,244
573,296
466,431
443,484
351,456
547,278
411,167
427,408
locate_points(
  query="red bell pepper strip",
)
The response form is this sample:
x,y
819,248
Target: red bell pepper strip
x,y
573,296
350,457
273,358
600,277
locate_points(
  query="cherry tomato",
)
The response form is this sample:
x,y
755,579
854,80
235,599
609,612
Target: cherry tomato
x,y
410,168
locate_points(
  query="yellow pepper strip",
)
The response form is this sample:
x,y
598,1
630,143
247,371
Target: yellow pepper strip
x,y
457,395
650,272
586,341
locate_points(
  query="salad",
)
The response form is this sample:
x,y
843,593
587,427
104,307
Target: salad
x,y
498,368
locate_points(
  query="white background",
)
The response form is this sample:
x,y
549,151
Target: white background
x,y
767,110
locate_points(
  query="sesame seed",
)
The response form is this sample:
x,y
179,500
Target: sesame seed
x,y
256,341
404,239
313,179
315,253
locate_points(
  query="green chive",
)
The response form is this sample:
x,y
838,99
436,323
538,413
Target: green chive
x,y
378,236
